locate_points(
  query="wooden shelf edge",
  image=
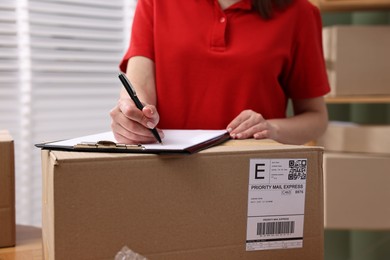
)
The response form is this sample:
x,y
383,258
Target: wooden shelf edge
x,y
357,99
350,5
348,8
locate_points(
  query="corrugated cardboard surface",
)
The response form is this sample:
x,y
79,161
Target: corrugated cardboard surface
x,y
7,190
166,207
358,59
349,137
357,191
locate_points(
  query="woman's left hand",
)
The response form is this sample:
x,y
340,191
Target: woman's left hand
x,y
308,123
250,124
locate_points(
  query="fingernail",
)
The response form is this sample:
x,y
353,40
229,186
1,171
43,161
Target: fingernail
x,y
229,129
238,136
150,110
150,125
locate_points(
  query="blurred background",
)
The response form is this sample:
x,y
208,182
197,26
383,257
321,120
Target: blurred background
x,y
58,79
359,244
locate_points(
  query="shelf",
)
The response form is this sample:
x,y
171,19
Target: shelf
x,y
351,5
357,99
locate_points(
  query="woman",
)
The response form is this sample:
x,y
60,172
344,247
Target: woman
x,y
234,64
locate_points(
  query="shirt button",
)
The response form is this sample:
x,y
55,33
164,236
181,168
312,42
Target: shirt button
x,y
222,20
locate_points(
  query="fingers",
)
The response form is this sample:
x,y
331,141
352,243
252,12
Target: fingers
x,y
262,134
151,117
128,137
249,124
148,117
131,125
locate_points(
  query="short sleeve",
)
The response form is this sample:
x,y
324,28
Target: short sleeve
x,y
306,75
142,37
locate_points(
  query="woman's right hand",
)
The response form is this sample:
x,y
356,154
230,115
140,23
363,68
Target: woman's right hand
x,y
131,125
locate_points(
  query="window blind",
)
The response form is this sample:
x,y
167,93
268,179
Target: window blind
x,y
10,101
9,110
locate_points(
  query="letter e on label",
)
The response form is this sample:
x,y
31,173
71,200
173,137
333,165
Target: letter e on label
x,y
259,171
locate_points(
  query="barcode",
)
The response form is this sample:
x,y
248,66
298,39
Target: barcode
x,y
275,228
297,169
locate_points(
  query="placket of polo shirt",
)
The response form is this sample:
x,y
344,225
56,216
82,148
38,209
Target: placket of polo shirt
x,y
218,36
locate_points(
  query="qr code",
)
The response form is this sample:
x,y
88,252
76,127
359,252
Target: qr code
x,y
297,169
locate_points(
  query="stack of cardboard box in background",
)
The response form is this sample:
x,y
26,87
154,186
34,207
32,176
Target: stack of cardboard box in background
x,y
7,190
356,176
357,59
357,157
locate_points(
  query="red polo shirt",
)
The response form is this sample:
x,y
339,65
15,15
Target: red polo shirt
x,y
211,64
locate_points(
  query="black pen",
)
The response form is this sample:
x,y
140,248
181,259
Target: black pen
x,y
130,89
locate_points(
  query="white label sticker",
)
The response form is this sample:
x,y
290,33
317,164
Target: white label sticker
x,y
276,203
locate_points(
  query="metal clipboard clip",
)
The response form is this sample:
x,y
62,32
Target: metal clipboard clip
x,y
107,145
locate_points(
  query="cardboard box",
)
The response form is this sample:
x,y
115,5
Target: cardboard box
x,y
351,137
356,191
179,206
357,59
7,190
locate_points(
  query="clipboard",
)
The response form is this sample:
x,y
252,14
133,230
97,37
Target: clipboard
x,y
175,141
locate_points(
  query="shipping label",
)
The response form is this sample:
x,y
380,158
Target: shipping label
x,y
276,203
